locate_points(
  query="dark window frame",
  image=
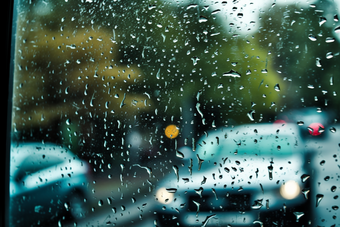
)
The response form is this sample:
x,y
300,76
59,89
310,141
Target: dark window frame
x,y
7,81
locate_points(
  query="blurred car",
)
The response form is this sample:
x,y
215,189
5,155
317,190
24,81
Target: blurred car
x,y
325,177
47,183
243,176
320,134
311,121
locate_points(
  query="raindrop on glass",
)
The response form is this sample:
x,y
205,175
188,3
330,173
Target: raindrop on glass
x,y
322,20
330,40
298,215
332,129
319,197
300,123
337,29
277,87
304,177
312,38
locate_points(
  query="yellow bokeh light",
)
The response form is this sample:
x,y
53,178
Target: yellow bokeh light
x,y
171,131
290,190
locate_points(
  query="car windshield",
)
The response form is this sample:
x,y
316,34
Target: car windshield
x,y
120,109
36,157
264,140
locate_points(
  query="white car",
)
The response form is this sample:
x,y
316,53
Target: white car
x,y
325,177
47,184
247,175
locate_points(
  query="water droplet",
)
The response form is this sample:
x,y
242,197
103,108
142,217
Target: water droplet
x,y
305,192
330,40
319,197
257,204
200,112
193,143
109,200
270,172
256,222
329,55
179,154
202,19
67,206
251,114
148,169
171,190
332,129
318,62
220,86
100,203
175,168
298,215
207,219
186,180
322,20
232,73
72,46
300,123
304,177
337,29
322,162
195,60
335,207
122,167
262,188
214,192
158,75
198,95
200,162
333,188
312,38
277,87
199,191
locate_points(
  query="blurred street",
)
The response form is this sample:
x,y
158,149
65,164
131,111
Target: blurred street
x,y
121,203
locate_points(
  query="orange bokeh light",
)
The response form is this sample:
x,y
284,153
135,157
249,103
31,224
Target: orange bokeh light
x,y
171,131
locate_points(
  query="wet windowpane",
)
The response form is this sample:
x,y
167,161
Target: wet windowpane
x,y
175,113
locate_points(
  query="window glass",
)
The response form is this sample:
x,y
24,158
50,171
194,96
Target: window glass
x,y
175,113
